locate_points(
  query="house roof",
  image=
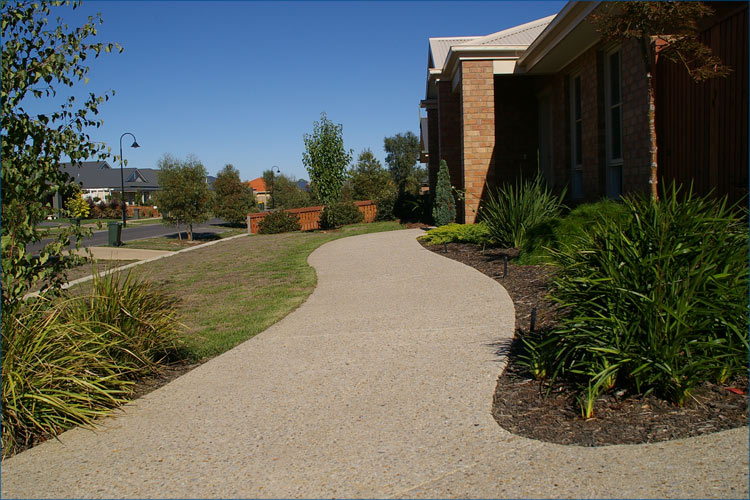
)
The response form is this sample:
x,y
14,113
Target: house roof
x,y
505,46
523,34
439,48
258,185
566,37
99,175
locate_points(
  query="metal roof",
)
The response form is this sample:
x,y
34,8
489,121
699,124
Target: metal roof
x,y
523,34
439,48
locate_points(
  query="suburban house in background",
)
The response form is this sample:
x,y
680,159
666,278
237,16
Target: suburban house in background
x,y
549,96
260,191
99,180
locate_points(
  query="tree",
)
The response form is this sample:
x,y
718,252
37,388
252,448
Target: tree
x,y
184,197
402,154
286,193
233,199
326,159
37,61
370,181
269,178
444,209
666,29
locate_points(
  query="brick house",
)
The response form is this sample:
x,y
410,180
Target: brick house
x,y
549,96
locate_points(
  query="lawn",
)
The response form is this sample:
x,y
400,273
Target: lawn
x,y
230,292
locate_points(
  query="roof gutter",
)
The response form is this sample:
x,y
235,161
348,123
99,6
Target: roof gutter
x,y
487,52
561,26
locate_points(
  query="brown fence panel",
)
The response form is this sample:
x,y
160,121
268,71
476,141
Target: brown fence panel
x,y
309,217
702,128
145,211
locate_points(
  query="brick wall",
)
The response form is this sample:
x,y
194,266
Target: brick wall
x,y
590,66
478,131
449,126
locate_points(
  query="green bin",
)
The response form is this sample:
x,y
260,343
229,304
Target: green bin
x,y
115,232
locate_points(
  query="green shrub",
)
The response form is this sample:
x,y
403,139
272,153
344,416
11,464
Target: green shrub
x,y
657,300
279,222
340,214
385,206
556,231
68,361
458,233
515,208
444,210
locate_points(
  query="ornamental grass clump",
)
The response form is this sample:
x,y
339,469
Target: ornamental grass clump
x,y
655,301
515,208
67,361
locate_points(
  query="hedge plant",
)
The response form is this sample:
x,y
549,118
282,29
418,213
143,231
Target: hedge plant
x,y
279,222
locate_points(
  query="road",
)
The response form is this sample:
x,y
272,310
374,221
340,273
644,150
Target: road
x,y
100,237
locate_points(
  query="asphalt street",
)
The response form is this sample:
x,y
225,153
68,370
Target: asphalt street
x,y
100,237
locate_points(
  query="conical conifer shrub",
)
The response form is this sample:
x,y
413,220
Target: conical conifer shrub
x,y
444,210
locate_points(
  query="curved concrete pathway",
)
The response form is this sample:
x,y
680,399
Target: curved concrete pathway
x,y
380,385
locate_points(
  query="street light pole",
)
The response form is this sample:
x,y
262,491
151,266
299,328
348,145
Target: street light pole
x,y
122,176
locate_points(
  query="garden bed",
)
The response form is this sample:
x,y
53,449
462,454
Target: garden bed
x,y
525,407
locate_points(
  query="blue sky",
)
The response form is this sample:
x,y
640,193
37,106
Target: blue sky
x,y
240,82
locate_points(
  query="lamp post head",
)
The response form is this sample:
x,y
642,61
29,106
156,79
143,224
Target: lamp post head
x,y
135,145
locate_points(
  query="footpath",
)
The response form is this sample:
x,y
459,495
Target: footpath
x,y
380,385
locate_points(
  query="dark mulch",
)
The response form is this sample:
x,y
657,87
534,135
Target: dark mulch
x,y
523,406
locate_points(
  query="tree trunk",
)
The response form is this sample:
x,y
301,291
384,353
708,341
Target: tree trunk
x,y
652,137
649,58
189,229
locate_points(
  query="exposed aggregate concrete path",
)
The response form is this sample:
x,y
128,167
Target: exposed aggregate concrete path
x,y
379,385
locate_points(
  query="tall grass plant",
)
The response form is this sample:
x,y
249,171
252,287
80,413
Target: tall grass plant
x,y
656,300
515,208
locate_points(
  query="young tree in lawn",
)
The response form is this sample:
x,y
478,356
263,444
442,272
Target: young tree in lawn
x,y
444,209
286,193
663,29
326,159
370,181
269,178
233,199
38,60
185,196
402,155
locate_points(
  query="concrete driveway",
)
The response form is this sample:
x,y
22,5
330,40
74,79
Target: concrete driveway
x,y
379,385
